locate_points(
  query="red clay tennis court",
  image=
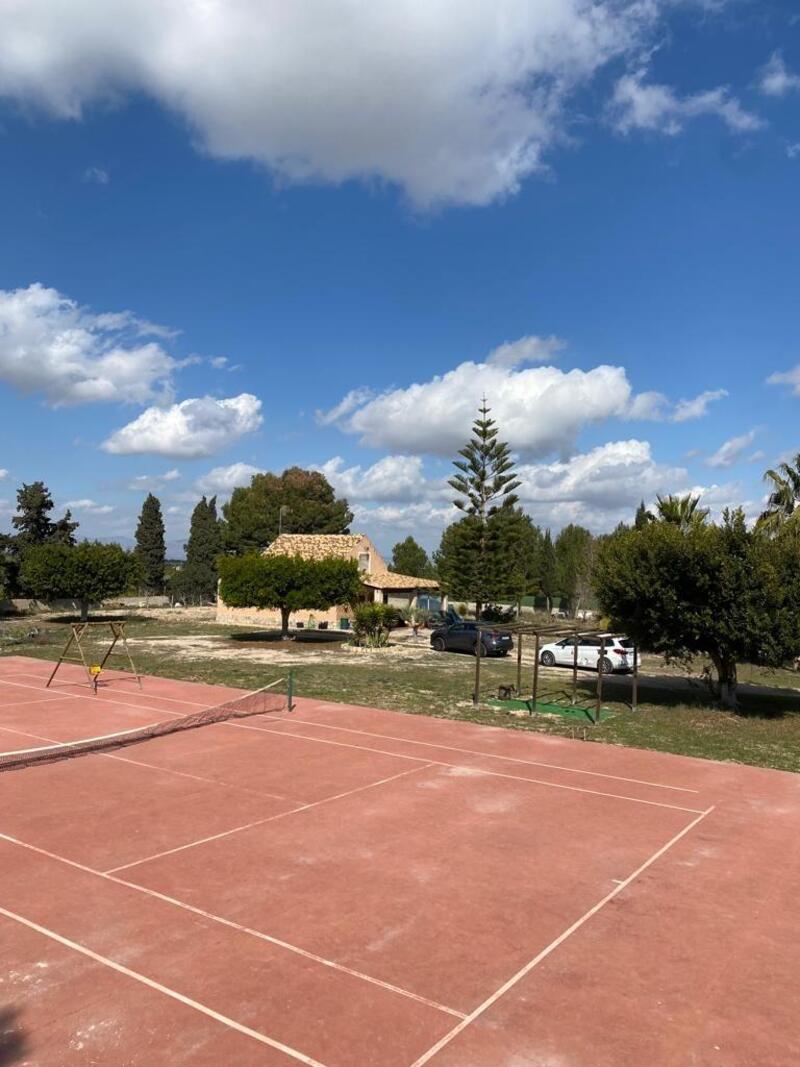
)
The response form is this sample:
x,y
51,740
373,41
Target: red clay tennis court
x,y
346,887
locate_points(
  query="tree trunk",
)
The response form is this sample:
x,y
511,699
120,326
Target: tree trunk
x,y
285,612
84,610
727,681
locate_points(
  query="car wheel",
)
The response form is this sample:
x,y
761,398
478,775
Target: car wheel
x,y
606,666
548,659
479,649
438,645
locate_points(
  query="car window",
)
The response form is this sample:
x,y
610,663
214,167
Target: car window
x,y
457,628
626,642
568,642
590,642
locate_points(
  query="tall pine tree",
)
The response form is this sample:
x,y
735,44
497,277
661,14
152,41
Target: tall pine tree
x,y
476,558
150,548
197,579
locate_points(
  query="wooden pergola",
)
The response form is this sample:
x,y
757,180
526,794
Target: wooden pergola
x,y
553,632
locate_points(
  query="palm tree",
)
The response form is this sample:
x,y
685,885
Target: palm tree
x,y
783,503
682,511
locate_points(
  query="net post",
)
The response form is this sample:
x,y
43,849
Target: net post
x,y
476,694
600,679
635,683
519,662
290,691
535,692
575,669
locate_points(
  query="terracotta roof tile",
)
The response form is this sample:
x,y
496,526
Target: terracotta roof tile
x,y
391,580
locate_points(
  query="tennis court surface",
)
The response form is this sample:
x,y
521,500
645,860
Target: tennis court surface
x,y
352,887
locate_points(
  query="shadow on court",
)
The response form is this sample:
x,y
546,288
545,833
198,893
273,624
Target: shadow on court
x,y
13,1039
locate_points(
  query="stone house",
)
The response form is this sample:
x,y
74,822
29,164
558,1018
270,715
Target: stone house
x,y
379,583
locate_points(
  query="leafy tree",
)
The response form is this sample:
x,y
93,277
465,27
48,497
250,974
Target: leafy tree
x,y
409,557
783,503
288,583
485,485
33,523
151,550
298,501
720,591
197,579
549,573
87,572
573,551
681,511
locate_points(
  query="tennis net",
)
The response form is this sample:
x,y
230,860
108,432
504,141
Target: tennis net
x,y
269,699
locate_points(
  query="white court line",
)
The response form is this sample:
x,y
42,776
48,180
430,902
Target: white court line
x,y
135,693
238,927
82,696
494,755
139,763
25,703
174,994
447,748
473,1015
269,818
479,770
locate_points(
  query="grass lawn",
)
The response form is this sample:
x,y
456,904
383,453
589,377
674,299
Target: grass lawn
x,y
673,716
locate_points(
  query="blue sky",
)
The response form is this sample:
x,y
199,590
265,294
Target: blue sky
x,y
240,237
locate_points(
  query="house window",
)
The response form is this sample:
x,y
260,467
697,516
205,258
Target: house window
x,y
363,561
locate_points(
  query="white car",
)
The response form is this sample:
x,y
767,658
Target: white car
x,y
617,655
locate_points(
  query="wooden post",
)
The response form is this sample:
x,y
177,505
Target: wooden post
x,y
535,673
575,671
519,663
635,684
600,679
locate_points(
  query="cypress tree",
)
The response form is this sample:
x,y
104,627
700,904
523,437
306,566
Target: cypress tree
x,y
150,548
549,569
33,523
198,577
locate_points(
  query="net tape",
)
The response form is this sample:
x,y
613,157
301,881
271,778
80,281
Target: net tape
x,y
260,702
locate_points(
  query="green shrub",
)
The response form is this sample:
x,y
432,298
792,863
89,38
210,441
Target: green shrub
x,y
372,623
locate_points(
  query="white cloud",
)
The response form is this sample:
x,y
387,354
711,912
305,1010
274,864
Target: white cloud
x,y
450,102
395,478
3,473
775,77
151,482
793,150
615,473
346,406
598,489
731,451
96,176
655,407
789,377
697,407
540,409
638,105
529,349
90,506
51,345
197,427
221,481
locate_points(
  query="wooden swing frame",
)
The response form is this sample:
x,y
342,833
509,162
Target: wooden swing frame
x,y
79,630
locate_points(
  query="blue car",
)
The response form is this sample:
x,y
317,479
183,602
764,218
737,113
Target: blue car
x,y
461,636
